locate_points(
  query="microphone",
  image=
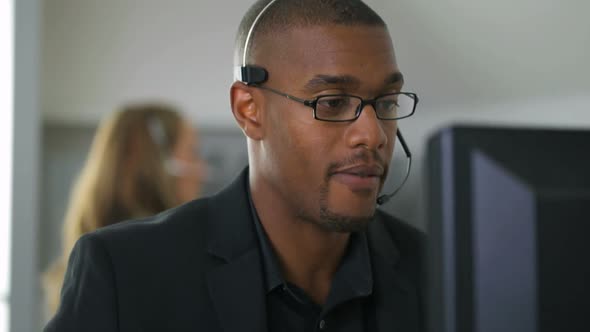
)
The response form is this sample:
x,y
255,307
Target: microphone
x,y
386,197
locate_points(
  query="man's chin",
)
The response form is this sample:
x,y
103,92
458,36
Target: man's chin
x,y
363,208
342,210
344,223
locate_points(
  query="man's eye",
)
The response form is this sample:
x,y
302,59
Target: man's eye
x,y
334,103
388,105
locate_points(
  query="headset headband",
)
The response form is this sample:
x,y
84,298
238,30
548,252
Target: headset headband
x,y
246,73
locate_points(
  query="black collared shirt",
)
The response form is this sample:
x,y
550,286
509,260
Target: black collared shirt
x,y
290,309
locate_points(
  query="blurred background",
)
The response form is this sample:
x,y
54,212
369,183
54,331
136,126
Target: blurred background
x,y
510,62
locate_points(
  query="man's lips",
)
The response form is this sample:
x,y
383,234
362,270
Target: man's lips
x,y
360,177
374,170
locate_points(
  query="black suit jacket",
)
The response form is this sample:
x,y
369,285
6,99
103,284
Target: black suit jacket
x,y
198,268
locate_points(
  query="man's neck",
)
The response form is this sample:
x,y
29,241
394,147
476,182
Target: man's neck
x,y
309,256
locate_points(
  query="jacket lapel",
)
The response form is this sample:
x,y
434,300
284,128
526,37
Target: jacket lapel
x,y
395,296
237,294
235,285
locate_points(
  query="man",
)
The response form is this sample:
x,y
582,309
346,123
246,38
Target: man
x,y
296,242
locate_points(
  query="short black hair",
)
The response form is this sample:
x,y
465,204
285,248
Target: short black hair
x,y
285,14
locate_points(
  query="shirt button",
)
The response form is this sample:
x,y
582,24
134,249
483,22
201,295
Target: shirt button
x,y
322,325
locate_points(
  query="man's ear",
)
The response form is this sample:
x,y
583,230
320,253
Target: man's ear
x,y
246,112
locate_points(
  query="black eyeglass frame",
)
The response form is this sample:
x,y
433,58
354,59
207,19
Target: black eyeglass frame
x,y
312,103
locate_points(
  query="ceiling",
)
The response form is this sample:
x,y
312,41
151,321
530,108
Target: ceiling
x,y
98,54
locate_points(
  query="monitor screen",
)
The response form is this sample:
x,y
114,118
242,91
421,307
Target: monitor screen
x,y
509,230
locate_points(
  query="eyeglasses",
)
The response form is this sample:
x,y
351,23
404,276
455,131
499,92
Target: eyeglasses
x,y
342,107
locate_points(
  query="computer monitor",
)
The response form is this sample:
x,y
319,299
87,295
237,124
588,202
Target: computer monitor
x,y
509,230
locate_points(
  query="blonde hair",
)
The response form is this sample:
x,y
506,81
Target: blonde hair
x,y
124,177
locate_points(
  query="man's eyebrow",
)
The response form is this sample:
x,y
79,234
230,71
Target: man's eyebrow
x,y
395,78
321,81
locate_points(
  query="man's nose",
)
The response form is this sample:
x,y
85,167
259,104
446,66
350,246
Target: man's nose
x,y
367,130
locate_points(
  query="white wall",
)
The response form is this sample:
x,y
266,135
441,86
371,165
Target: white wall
x,y
6,148
482,52
100,53
97,54
27,118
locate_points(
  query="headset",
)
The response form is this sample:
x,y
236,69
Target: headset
x,y
172,165
251,75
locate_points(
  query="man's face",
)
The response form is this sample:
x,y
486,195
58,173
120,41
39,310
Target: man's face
x,y
328,173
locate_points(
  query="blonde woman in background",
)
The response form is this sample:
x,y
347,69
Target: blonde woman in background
x,y
142,161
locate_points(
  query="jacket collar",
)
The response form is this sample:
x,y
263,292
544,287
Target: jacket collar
x,y
237,287
230,228
395,295
231,232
